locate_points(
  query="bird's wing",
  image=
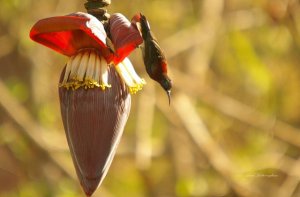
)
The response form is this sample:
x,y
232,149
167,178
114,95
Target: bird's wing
x,y
157,52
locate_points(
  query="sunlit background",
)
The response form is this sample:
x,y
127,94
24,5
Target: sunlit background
x,y
233,125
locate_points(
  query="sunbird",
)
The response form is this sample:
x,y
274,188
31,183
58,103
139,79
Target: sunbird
x,y
153,56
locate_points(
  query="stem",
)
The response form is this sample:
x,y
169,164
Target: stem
x,y
98,9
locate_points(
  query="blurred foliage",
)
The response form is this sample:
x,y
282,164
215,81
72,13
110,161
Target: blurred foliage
x,y
239,67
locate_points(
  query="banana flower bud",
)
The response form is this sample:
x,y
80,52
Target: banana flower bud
x,y
94,87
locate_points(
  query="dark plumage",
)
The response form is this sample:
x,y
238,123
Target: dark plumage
x,y
153,56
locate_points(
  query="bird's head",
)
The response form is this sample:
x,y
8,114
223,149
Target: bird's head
x,y
166,83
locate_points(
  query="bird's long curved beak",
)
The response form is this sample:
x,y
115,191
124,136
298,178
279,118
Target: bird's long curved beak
x,y
169,96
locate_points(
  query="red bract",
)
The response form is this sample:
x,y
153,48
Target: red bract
x,y
70,33
125,36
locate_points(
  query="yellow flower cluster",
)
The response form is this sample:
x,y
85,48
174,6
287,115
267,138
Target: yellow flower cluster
x,y
88,69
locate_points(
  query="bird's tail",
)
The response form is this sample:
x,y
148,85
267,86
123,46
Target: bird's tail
x,y
145,27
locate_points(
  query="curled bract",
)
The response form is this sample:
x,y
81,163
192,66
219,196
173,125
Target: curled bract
x,y
67,34
124,34
70,33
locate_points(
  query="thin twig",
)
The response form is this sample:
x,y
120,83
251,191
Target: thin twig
x,y
290,184
204,142
144,124
237,110
24,120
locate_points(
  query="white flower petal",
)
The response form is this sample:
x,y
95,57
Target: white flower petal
x,y
83,66
91,66
104,73
68,69
131,71
97,72
129,76
75,65
124,74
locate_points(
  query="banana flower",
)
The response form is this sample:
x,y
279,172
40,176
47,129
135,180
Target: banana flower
x,y
94,87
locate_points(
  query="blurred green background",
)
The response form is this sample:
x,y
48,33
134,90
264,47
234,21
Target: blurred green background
x,y
233,125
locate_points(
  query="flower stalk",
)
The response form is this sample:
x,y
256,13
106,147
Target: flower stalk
x,y
98,9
